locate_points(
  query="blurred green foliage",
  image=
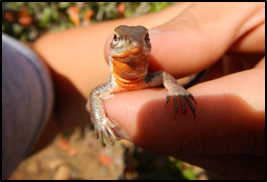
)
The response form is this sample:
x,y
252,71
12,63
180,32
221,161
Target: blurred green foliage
x,y
26,21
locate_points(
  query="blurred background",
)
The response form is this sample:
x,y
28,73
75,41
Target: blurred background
x,y
76,154
26,21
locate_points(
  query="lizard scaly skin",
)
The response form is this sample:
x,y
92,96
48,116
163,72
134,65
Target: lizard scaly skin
x,y
128,61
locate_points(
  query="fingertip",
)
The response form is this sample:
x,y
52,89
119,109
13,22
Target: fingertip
x,y
179,52
107,47
145,121
148,124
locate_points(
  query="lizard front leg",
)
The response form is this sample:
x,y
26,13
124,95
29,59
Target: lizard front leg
x,y
173,88
103,125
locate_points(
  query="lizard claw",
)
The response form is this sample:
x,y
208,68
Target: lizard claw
x,y
182,95
190,104
105,129
167,100
175,106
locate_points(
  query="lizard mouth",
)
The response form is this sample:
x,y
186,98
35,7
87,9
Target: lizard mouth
x,y
136,52
128,53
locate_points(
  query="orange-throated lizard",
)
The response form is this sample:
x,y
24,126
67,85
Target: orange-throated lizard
x,y
128,62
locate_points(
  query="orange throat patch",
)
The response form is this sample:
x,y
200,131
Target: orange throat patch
x,y
131,74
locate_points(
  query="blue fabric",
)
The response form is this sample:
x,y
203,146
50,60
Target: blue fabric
x,y
27,99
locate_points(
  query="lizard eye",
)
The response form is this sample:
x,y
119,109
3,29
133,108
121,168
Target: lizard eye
x,y
115,37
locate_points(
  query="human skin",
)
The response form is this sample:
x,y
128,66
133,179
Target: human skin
x,y
228,134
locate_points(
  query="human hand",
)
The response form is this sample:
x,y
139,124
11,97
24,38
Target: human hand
x,y
228,134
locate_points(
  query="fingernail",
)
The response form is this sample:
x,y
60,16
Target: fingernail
x,y
119,131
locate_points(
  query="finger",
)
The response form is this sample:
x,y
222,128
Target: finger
x,y
149,21
252,42
219,103
200,35
229,118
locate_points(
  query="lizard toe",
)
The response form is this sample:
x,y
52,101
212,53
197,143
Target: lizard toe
x,y
101,138
183,96
108,137
190,105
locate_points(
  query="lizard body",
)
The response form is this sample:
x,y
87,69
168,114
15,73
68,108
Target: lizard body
x,y
128,61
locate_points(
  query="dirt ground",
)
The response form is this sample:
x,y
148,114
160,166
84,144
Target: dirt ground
x,y
80,156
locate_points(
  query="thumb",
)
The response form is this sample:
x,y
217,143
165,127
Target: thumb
x,y
200,35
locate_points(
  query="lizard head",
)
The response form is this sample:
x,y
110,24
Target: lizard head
x,y
130,42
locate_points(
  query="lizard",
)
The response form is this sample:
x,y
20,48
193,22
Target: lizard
x,y
128,62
